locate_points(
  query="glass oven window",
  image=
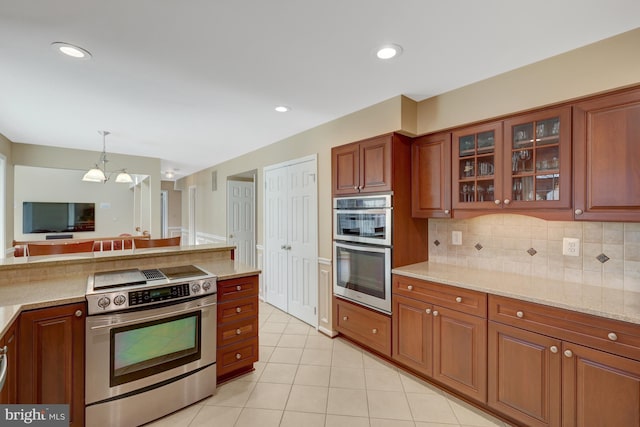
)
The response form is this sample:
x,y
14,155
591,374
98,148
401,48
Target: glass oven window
x,y
144,349
362,225
361,271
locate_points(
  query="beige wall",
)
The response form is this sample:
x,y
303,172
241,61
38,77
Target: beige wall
x,y
211,205
174,203
602,66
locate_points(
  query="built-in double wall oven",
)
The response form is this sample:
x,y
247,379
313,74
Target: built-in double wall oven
x,y
362,250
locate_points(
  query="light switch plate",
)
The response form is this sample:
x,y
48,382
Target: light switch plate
x,y
456,237
570,246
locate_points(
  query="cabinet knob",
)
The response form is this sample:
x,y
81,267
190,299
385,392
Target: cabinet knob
x,y
568,353
355,188
374,331
553,349
238,331
428,311
435,313
410,287
612,336
238,309
3,350
238,288
447,211
497,202
458,299
519,314
579,211
78,313
345,318
238,356
507,201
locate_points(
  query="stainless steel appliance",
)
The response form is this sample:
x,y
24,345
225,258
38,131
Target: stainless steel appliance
x,y
362,250
363,219
150,343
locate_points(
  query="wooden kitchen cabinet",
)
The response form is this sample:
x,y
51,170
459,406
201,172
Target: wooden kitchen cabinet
x,y
441,332
606,131
237,336
9,394
366,326
578,369
367,166
431,176
51,348
524,381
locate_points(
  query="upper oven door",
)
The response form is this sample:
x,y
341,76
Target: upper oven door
x,y
363,219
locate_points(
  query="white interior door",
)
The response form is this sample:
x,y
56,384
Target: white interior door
x,y
275,268
303,241
291,238
241,220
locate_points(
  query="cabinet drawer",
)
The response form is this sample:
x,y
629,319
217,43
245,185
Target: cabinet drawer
x,y
609,335
237,356
229,333
366,326
236,310
240,287
452,297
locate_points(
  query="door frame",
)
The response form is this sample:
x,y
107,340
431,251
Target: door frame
x,y
192,214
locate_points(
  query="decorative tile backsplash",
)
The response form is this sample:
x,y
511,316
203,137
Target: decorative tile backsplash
x,y
609,252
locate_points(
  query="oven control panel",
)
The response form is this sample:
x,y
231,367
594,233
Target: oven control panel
x,y
117,300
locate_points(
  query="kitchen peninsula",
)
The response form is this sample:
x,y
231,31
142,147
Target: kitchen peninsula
x,y
43,309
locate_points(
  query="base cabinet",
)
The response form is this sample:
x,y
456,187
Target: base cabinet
x,y
51,367
368,327
446,344
237,338
9,344
524,381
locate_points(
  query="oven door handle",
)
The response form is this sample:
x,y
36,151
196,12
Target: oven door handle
x,y
4,362
156,316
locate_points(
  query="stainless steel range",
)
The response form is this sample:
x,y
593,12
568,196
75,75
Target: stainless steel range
x,y
150,343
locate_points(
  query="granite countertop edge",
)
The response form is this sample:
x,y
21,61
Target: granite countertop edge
x,y
604,302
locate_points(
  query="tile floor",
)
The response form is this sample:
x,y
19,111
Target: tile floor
x,y
306,379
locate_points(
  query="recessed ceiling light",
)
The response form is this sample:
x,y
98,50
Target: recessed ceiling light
x,y
282,108
389,51
71,50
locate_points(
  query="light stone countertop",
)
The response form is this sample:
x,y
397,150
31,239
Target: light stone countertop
x,y
20,296
605,302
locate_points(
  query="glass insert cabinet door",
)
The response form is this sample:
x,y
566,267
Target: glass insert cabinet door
x,y
537,163
477,174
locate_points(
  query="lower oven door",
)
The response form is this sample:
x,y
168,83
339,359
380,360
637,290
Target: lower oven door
x,y
139,350
362,273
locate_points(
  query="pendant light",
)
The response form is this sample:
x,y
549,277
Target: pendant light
x,y
100,174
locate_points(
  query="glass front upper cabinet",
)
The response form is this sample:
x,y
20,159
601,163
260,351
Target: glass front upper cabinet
x,y
538,160
476,166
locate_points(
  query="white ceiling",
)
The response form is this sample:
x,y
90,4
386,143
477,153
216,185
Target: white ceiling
x,y
195,82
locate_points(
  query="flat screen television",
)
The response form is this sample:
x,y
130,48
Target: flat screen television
x,y
54,217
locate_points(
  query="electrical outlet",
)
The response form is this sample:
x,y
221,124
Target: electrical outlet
x,y
456,237
570,246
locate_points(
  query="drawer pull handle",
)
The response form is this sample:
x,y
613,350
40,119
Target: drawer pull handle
x,y
428,311
410,287
553,349
238,288
458,299
238,331
519,314
435,312
345,318
374,331
238,309
568,353
612,336
238,356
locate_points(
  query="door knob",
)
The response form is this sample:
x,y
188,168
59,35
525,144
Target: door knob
x,y
553,349
497,202
579,211
568,353
446,211
507,201
78,313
